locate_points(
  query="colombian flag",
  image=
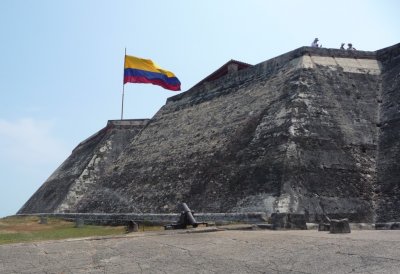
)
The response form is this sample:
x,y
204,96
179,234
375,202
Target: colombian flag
x,y
138,70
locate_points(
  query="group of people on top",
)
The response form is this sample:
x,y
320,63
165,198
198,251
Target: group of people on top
x,y
349,46
316,45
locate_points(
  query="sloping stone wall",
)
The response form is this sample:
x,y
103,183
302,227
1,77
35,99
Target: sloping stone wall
x,y
388,190
286,135
88,161
313,131
332,144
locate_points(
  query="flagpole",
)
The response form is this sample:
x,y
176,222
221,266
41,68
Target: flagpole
x,y
123,89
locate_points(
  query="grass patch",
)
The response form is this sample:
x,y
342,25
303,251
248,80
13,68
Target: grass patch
x,y
18,229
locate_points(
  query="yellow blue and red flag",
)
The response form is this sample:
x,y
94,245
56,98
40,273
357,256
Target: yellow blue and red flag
x,y
138,70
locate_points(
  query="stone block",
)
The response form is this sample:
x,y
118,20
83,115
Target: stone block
x,y
339,226
79,222
43,220
264,226
288,221
312,226
132,227
395,226
324,227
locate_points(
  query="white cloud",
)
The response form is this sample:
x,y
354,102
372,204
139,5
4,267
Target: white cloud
x,y
30,142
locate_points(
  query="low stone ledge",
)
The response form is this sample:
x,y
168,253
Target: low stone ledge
x,y
154,219
388,226
216,218
324,227
362,226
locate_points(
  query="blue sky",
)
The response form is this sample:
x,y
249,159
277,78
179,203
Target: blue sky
x,y
62,62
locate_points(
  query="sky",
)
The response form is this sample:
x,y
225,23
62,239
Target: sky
x,y
61,62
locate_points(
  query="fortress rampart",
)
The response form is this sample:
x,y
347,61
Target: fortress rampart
x,y
314,131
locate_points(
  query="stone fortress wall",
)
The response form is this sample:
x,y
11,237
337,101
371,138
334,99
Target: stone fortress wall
x,y
87,162
313,131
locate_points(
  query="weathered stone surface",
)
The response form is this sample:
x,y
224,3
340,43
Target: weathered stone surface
x,y
89,161
309,132
387,192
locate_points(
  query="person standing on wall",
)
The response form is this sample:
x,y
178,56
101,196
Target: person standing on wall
x,y
350,46
315,44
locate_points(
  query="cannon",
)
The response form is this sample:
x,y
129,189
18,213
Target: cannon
x,y
185,218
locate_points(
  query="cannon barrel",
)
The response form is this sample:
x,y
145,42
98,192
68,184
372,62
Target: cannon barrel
x,y
185,218
189,216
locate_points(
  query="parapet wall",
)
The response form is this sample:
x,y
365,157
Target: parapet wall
x,y
271,66
128,123
123,218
